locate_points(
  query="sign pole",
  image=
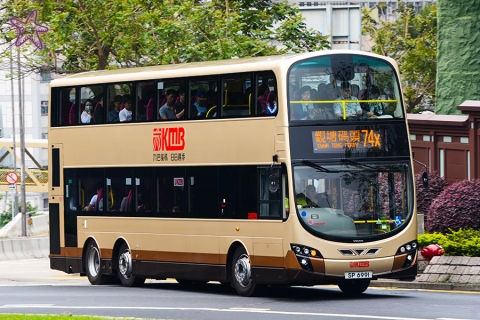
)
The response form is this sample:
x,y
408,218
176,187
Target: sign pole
x,y
27,30
12,179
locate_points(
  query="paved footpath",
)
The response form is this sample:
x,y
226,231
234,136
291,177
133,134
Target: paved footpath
x,y
443,273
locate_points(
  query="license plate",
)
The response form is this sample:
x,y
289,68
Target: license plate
x,y
358,275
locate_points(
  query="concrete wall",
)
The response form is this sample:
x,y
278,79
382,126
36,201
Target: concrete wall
x,y
38,225
24,248
458,67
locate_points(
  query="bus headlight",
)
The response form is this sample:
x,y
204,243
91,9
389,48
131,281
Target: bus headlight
x,y
410,249
303,254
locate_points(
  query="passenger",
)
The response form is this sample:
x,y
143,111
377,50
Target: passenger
x,y
125,115
352,109
179,107
375,108
167,111
113,114
140,203
96,203
331,91
99,115
308,110
301,111
325,95
87,114
310,193
201,104
141,111
271,105
262,97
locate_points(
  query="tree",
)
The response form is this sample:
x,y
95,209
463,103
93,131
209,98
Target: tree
x,y
412,41
97,35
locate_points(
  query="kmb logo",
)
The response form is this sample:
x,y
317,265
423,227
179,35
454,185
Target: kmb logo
x,y
359,264
168,139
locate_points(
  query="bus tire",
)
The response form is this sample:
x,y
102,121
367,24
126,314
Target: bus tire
x,y
92,265
354,287
242,274
125,268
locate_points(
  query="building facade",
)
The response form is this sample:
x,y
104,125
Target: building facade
x,y
448,144
34,88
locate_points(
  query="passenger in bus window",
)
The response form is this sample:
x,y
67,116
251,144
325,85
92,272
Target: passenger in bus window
x,y
300,110
113,115
311,193
352,109
167,111
308,110
96,203
179,106
325,95
87,114
99,113
375,108
140,203
201,104
271,105
125,115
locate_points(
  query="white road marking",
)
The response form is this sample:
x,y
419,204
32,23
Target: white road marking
x,y
245,310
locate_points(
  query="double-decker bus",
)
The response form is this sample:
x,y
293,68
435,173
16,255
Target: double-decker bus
x,y
288,170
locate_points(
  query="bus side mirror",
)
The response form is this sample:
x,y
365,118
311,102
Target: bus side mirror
x,y
425,179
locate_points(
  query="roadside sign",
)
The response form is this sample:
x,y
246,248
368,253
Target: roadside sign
x,y
11,177
12,186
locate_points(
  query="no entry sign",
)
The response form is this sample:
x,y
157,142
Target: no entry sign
x,y
11,177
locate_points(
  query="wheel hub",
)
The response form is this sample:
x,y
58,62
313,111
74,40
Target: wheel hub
x,y
94,261
242,270
125,264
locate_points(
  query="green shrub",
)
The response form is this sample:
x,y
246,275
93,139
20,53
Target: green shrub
x,y
5,218
464,242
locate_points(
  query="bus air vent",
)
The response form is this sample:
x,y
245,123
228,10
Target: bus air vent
x,y
359,251
346,252
372,251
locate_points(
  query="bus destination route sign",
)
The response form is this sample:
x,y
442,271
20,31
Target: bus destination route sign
x,y
343,140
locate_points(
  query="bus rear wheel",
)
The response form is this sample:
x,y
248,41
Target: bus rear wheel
x,y
242,274
125,267
92,265
354,287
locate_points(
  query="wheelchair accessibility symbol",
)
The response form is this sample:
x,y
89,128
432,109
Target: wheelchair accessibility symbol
x,y
398,220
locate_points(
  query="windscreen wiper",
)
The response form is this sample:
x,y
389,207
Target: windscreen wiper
x,y
359,164
315,166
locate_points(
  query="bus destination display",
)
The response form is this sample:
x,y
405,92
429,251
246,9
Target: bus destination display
x,y
342,140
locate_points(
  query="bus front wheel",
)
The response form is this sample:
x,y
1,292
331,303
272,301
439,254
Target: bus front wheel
x,y
92,265
354,287
242,274
125,266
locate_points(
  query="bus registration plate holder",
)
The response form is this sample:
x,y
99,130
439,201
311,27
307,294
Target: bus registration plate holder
x,y
358,275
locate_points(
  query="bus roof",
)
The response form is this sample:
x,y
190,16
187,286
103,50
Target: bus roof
x,y
193,68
